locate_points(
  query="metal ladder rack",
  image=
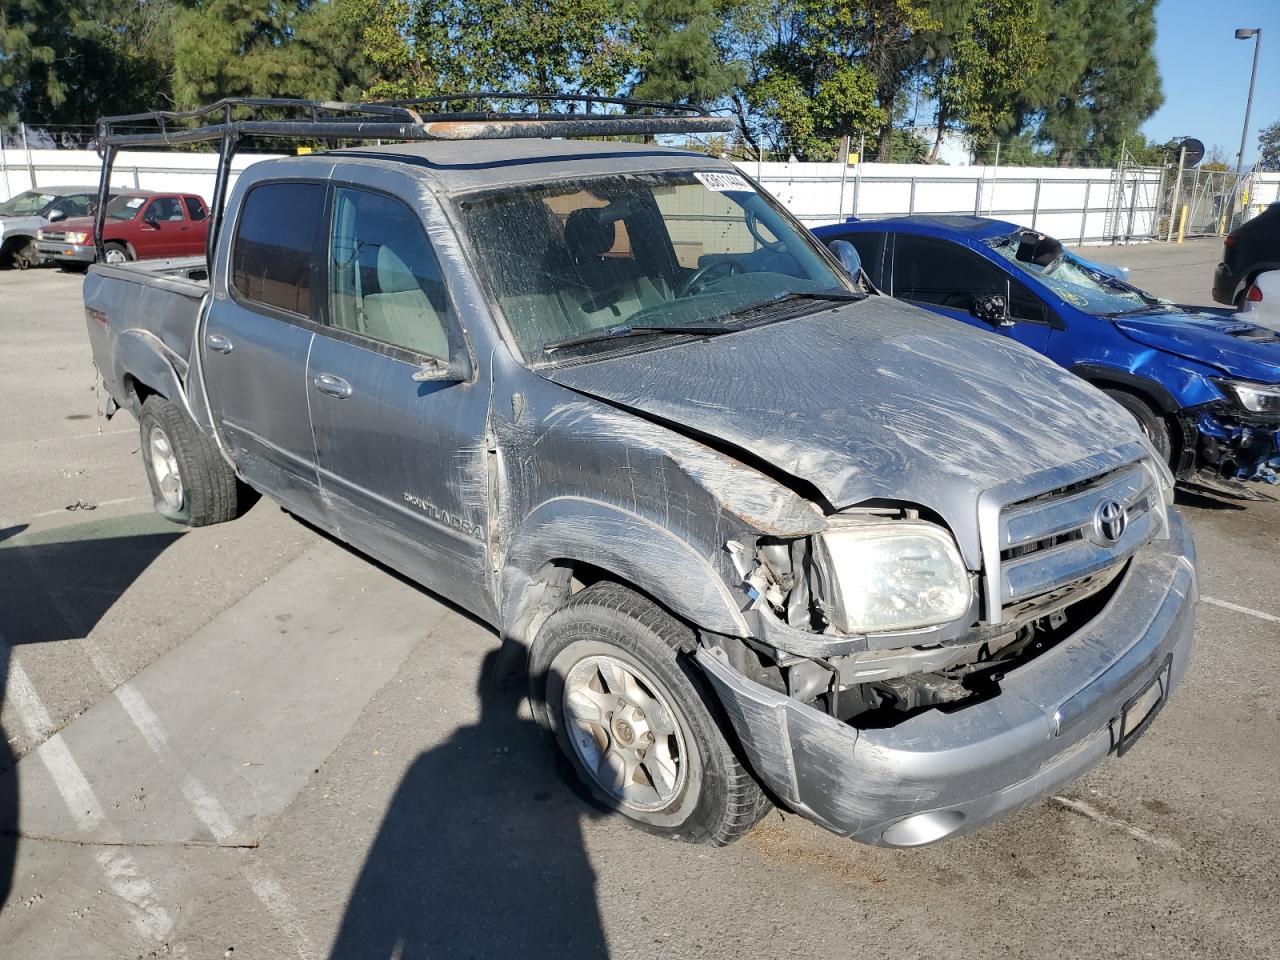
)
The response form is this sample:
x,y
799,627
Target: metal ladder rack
x,y
436,118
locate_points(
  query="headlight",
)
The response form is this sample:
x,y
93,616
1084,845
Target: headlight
x,y
882,576
39,234
1254,397
76,237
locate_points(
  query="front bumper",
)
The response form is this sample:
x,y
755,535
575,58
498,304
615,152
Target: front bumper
x,y
80,252
940,774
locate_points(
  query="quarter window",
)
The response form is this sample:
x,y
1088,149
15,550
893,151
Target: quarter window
x,y
385,280
195,208
275,240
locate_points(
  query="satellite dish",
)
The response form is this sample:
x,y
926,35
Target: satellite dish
x,y
1195,152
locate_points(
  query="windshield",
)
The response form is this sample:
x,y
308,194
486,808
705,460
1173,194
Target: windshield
x,y
1080,286
26,204
124,207
570,259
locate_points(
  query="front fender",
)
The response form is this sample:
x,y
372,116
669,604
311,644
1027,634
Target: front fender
x,y
636,550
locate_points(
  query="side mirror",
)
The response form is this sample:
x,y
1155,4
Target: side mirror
x,y
992,308
55,215
847,254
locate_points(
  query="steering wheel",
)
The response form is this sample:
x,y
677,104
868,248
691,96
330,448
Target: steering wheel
x,y
699,276
753,225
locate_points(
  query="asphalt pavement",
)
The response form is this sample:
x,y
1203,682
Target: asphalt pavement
x,y
247,741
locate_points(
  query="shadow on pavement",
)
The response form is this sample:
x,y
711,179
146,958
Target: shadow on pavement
x,y
56,585
480,853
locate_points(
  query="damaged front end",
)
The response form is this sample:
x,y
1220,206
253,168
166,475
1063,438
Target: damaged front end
x,y
895,696
1239,438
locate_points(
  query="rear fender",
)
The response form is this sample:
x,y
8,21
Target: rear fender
x,y
142,357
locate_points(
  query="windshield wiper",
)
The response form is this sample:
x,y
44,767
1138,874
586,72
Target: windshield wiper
x,y
627,330
834,296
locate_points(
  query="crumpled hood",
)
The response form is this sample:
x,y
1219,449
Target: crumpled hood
x,y
75,225
1238,349
876,399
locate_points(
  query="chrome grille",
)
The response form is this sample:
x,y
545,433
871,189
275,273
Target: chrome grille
x,y
1039,541
55,236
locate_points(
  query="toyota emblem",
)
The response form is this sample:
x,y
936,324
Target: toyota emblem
x,y
1109,522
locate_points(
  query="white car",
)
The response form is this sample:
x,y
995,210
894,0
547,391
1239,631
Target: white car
x,y
1261,302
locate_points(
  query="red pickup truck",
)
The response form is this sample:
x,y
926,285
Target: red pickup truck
x,y
140,225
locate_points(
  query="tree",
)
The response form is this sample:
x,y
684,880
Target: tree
x,y
426,47
230,48
684,59
978,56
1098,81
1269,149
71,62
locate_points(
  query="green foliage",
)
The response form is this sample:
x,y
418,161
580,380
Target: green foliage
x,y
685,59
1099,81
1269,147
69,62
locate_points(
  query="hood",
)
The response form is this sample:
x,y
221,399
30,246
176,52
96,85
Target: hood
x,y
875,399
75,225
1237,348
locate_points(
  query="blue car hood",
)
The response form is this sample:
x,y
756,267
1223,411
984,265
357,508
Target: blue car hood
x,y
1238,349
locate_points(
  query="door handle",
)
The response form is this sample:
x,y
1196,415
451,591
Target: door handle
x,y
220,343
333,386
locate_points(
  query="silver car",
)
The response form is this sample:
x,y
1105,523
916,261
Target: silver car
x,y
23,216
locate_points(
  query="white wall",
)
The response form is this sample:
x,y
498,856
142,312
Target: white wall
x,y
1075,205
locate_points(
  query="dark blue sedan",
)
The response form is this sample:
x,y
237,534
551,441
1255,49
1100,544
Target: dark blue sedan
x,y
1206,388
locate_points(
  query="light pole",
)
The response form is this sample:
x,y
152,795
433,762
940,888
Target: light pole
x,y
1245,33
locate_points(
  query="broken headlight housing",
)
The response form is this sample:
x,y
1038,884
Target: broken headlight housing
x,y
881,577
1254,397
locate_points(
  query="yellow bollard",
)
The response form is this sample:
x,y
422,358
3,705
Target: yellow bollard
x,y
1182,222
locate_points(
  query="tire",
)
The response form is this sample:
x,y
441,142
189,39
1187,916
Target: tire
x,y
1151,420
619,656
190,482
116,253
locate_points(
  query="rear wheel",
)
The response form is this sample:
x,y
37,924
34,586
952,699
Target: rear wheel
x,y
116,253
190,482
1151,420
633,717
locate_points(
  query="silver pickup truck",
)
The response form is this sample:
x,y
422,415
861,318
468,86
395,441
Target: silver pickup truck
x,y
766,537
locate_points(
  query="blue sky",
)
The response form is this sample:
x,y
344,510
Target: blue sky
x,y
1205,71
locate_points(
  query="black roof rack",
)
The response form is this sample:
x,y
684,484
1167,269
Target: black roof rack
x,y
427,118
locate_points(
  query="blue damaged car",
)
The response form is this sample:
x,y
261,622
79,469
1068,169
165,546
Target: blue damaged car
x,y
1204,387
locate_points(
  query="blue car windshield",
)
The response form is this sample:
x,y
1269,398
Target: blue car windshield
x,y
1083,288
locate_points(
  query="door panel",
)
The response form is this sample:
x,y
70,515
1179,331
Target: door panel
x,y
256,367
256,341
403,462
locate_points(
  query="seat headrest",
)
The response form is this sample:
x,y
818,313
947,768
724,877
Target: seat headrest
x,y
587,235
394,275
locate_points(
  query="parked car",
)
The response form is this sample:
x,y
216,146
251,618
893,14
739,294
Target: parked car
x,y
140,225
1261,301
1247,251
1205,388
762,535
22,217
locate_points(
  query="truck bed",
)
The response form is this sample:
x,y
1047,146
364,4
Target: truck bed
x,y
147,304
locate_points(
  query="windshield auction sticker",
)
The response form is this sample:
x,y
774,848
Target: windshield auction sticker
x,y
723,182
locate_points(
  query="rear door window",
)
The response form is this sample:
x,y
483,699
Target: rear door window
x,y
272,256
928,270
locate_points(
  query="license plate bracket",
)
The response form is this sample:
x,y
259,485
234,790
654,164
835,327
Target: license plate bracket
x,y
1140,709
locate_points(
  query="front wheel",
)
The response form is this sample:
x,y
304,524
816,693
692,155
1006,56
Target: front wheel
x,y
116,253
635,720
1151,421
190,482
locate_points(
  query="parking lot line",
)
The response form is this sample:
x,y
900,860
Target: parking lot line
x,y
1247,611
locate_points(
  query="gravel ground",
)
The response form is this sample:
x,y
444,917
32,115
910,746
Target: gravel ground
x,y
247,741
